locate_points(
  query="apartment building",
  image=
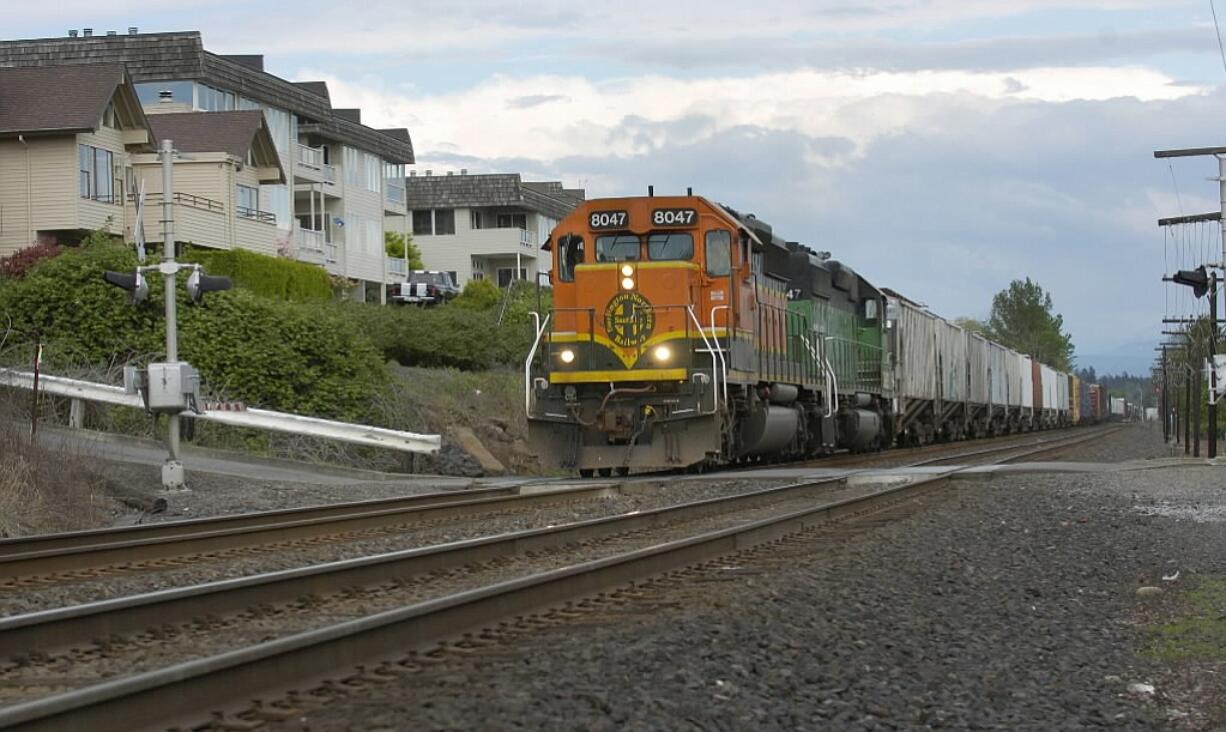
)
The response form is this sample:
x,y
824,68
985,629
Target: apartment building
x,y
488,226
66,137
342,182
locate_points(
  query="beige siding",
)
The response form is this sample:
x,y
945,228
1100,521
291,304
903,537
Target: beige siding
x,y
15,230
364,262
202,220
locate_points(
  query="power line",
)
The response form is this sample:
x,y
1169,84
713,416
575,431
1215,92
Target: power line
x,y
1220,48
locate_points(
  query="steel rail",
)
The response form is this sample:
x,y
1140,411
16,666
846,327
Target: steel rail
x,y
46,561
164,529
1008,448
210,683
48,629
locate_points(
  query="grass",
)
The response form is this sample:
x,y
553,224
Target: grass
x,y
1196,630
46,488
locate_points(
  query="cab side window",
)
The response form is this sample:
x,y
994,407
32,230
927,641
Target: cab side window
x,y
570,253
719,253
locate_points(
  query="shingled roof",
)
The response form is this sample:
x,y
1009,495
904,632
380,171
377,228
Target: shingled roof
x,y
234,133
492,189
181,56
65,99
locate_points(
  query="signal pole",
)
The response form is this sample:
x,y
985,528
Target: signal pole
x,y
172,470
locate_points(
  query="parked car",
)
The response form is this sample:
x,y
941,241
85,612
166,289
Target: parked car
x,y
423,287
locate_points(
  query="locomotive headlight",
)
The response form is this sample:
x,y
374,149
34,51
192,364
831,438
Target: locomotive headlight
x,y
627,270
663,354
627,283
567,356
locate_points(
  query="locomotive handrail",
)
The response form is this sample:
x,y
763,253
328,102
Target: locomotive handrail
x,y
540,331
834,379
714,362
723,364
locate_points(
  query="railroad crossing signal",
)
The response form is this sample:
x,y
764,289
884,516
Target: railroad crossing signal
x,y
135,284
198,283
1197,279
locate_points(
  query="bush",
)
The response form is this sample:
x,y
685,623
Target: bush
x,y
297,357
275,277
443,336
16,265
478,295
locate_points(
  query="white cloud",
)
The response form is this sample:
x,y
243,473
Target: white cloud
x,y
571,115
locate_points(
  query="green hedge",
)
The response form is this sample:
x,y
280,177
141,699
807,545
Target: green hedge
x,y
298,357
275,277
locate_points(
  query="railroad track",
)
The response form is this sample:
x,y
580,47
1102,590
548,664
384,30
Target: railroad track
x,y
94,554
483,581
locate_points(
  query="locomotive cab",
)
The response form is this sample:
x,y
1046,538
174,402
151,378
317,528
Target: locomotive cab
x,y
635,352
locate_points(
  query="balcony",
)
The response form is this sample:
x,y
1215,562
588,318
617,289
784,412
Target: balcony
x,y
254,214
310,246
397,267
311,165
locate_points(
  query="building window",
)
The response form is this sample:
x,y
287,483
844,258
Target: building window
x,y
444,221
451,274
210,99
149,92
512,221
248,198
507,274
422,223
97,173
363,170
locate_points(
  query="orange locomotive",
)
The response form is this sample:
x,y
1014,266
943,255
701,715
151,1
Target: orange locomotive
x,y
669,346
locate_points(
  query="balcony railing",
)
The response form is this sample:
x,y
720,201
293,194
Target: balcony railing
x,y
331,252
264,217
311,246
397,266
186,199
393,192
313,158
526,238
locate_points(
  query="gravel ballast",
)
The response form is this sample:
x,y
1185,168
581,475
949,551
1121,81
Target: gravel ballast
x,y
1010,603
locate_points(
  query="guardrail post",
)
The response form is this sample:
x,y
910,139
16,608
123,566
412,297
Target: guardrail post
x,y
76,414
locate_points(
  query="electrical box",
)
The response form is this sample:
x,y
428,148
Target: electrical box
x,y
171,387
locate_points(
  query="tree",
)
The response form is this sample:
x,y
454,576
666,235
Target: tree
x,y
972,325
395,243
1022,319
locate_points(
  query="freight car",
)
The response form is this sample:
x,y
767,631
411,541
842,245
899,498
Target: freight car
x,y
684,333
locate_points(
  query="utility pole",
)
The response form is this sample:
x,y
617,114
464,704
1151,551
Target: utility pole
x,y
172,470
1213,337
1166,417
1187,410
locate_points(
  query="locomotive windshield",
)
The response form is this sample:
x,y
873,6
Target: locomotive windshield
x,y
617,248
670,246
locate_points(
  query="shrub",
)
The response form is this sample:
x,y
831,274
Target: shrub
x,y
275,277
395,244
16,265
478,295
297,357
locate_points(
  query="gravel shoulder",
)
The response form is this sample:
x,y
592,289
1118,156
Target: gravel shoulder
x,y
1010,603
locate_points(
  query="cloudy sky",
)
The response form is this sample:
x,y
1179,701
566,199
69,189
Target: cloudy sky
x,y
941,147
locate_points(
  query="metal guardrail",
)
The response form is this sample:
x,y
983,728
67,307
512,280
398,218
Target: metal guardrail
x,y
260,419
